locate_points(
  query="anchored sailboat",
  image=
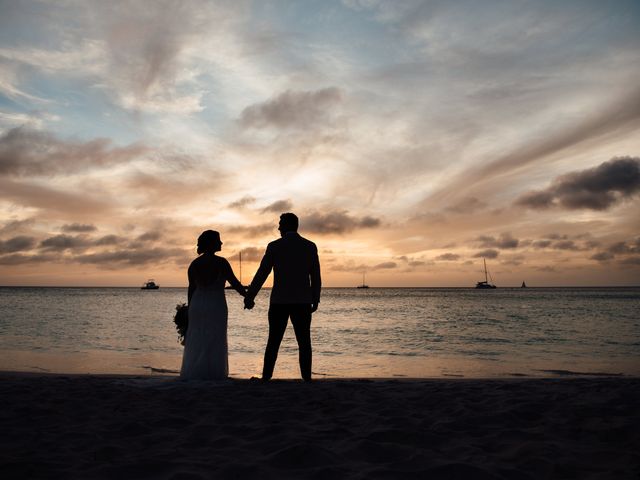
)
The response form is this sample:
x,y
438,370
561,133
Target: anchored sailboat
x,y
485,284
364,285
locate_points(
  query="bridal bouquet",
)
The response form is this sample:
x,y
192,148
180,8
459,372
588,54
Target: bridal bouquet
x,y
181,319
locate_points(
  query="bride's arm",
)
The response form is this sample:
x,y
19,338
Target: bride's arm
x,y
192,284
233,281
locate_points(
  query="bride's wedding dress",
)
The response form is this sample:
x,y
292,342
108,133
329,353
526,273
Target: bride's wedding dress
x,y
205,350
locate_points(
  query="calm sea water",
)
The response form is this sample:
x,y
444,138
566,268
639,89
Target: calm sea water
x,y
406,332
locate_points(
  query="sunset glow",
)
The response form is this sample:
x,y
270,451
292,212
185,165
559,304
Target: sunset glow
x,y
413,139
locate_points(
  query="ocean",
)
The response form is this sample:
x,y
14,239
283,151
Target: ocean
x,y
376,332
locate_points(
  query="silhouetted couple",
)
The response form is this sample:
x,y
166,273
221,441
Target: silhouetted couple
x,y
295,295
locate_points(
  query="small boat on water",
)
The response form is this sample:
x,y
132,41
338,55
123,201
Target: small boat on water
x,y
364,285
150,285
485,285
524,285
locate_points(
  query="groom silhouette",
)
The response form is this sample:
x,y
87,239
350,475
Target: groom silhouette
x,y
295,293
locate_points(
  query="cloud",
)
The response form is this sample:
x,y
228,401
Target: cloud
x,y
251,231
505,241
65,242
78,228
136,256
596,188
279,206
243,202
50,199
25,152
565,245
14,226
467,205
293,109
249,254
336,222
17,244
384,266
630,261
602,256
20,259
108,240
625,248
618,117
448,257
150,236
489,253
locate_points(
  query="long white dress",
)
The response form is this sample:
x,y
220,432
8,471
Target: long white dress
x,y
205,354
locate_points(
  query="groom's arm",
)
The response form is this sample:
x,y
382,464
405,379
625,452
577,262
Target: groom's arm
x,y
266,264
316,280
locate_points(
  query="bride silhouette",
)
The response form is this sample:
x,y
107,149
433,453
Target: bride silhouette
x,y
205,354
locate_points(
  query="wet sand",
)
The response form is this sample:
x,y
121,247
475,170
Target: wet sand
x,y
156,427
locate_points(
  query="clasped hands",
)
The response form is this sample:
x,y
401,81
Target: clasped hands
x,y
249,303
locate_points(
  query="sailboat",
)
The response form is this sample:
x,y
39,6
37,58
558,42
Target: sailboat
x,y
229,287
485,284
364,285
524,285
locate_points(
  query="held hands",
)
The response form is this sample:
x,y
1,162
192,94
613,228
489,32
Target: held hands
x,y
249,303
314,307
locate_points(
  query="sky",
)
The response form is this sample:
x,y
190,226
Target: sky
x,y
412,138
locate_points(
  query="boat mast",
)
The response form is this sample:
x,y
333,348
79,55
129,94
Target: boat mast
x,y
362,278
486,280
240,267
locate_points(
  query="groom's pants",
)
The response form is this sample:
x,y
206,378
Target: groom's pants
x,y
300,314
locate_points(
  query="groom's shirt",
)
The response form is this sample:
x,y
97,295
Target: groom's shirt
x,y
296,270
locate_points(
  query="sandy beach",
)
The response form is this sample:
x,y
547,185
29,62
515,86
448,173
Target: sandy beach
x,y
90,426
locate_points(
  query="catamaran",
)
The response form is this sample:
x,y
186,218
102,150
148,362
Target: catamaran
x,y
485,284
364,285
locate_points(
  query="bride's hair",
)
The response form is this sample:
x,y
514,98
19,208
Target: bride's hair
x,y
207,241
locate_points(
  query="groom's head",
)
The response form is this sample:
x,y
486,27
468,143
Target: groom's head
x,y
288,223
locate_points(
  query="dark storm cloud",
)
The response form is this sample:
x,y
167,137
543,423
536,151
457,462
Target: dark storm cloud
x,y
297,109
280,206
243,202
596,188
505,241
490,253
78,228
17,244
25,152
449,257
336,222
